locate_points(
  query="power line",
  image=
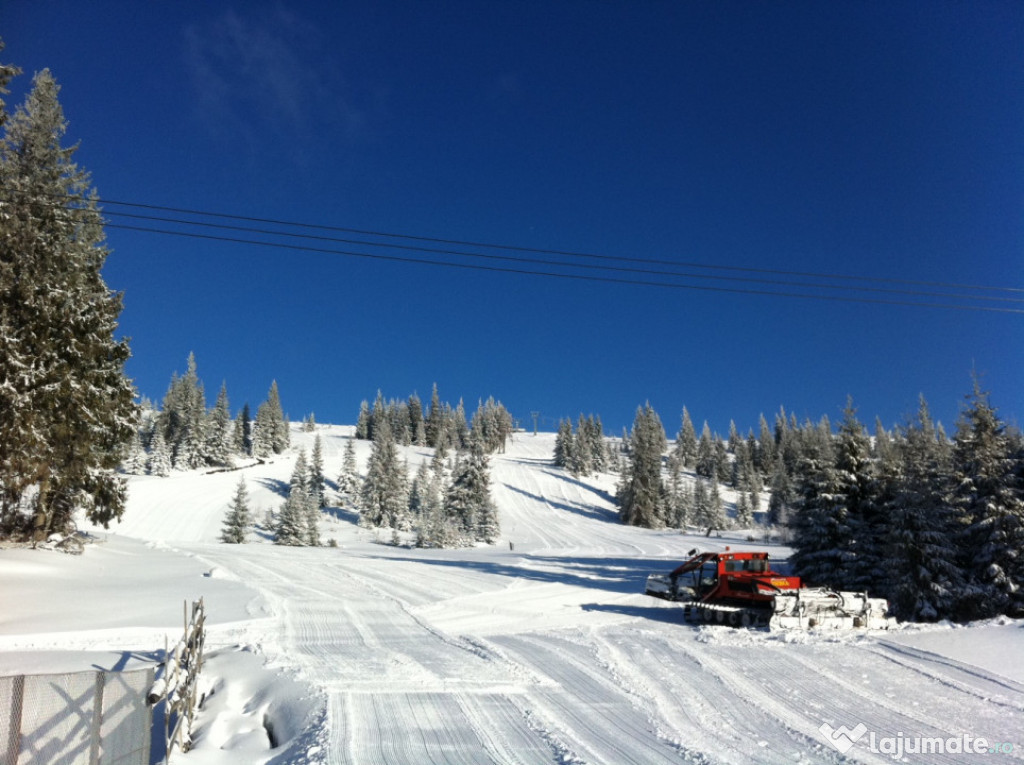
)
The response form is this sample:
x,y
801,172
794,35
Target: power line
x,y
469,250
546,262
578,277
541,251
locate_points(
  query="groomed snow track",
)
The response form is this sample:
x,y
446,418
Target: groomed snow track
x,y
549,653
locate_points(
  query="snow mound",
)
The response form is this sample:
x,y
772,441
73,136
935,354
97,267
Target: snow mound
x,y
253,712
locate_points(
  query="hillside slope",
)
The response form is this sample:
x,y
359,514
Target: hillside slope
x,y
541,648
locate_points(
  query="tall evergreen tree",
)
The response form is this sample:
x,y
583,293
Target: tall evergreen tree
x,y
159,462
219,442
707,460
242,433
643,495
563,443
417,427
348,480
236,523
183,418
66,408
270,433
296,521
855,473
135,458
468,502
384,496
989,502
435,419
316,474
922,575
686,442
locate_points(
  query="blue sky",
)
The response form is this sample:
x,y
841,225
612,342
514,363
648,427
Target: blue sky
x,y
877,140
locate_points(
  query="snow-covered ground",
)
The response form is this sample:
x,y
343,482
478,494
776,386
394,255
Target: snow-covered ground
x,y
539,649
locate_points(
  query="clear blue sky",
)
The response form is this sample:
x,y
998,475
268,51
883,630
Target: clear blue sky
x,y
867,139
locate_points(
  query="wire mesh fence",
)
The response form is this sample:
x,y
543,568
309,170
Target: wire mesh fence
x,y
77,717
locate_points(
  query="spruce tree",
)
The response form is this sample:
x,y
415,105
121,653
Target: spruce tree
x,y
989,502
135,458
384,495
363,421
316,474
159,462
468,503
821,532
219,442
563,443
242,432
686,442
236,524
707,460
922,576
270,433
643,494
434,425
66,407
348,480
298,516
416,425
864,520
183,418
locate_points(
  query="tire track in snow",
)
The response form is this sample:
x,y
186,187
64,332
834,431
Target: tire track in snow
x,y
932,712
586,710
800,686
686,705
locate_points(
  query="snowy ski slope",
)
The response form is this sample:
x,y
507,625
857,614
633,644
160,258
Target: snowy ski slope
x,y
539,649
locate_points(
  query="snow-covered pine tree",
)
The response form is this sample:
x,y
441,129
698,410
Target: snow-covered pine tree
x,y
923,579
417,492
384,494
135,458
686,442
416,425
433,528
821,533
183,418
316,474
434,425
66,407
705,515
855,473
219,442
468,501
270,432
295,523
679,500
363,421
159,462
460,427
583,450
707,461
643,494
782,497
595,437
989,501
348,481
291,527
766,452
281,437
563,443
241,432
239,516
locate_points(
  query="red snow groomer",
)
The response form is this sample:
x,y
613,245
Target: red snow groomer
x,y
741,590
